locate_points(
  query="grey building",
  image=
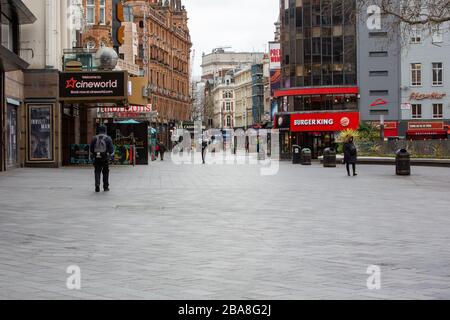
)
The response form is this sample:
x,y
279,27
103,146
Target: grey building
x,y
379,69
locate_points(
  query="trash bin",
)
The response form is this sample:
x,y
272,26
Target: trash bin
x,y
402,163
306,157
329,158
296,154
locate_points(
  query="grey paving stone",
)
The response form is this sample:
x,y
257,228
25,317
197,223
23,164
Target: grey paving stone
x,y
225,232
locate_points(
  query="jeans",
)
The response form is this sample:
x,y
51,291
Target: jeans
x,y
101,167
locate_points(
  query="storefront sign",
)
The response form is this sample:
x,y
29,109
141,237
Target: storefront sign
x,y
424,96
406,106
142,112
275,55
282,121
328,121
93,85
425,126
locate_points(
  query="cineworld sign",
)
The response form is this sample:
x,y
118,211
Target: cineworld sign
x,y
93,85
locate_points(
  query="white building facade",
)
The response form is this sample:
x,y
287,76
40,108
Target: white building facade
x,y
425,85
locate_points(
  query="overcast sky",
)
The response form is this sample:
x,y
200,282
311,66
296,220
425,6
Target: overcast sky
x,y
245,25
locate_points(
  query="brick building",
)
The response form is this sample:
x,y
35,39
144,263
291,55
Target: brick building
x,y
163,50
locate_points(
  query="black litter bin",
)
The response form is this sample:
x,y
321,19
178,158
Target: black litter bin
x,y
329,158
402,163
306,157
296,154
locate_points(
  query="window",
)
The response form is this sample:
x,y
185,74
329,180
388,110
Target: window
x,y
377,34
416,35
378,73
416,110
228,121
102,12
416,74
8,39
378,54
90,11
228,106
379,92
437,74
437,110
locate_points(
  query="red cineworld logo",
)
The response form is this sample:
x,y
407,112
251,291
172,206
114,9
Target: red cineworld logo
x,y
75,84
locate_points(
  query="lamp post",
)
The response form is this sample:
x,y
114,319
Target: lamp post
x,y
382,127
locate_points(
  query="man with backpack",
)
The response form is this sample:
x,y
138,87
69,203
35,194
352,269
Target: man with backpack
x,y
102,149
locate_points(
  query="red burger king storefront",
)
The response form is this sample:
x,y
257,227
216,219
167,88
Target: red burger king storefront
x,y
317,130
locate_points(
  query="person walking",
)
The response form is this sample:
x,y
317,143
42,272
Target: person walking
x,y
162,150
350,155
102,149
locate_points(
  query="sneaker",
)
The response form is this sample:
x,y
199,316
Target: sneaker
x,y
97,189
106,189
355,174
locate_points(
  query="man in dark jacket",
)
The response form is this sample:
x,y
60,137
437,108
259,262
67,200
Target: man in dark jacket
x,y
350,156
102,149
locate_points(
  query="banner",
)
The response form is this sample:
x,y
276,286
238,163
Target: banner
x,y
275,55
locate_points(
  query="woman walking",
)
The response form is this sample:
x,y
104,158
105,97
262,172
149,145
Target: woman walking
x,y
350,155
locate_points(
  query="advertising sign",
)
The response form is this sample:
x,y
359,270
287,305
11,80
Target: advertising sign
x,y
80,154
40,139
416,126
135,112
327,121
275,55
93,85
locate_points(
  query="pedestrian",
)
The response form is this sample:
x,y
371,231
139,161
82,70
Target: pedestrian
x,y
204,146
350,155
102,149
162,150
157,149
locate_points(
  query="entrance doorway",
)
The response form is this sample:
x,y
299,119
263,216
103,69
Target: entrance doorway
x,y
11,128
316,141
67,136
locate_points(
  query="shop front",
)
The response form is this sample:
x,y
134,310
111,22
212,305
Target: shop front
x,y
81,94
129,128
315,131
426,130
318,131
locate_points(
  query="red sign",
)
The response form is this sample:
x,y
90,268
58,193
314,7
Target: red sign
x,y
130,112
378,102
425,126
328,121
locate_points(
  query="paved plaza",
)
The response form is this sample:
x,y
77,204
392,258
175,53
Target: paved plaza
x,y
225,232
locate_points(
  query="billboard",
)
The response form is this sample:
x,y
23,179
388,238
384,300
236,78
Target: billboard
x,y
275,55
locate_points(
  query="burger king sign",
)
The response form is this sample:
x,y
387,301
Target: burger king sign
x,y
324,121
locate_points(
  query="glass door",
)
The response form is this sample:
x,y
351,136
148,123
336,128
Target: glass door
x,y
11,127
